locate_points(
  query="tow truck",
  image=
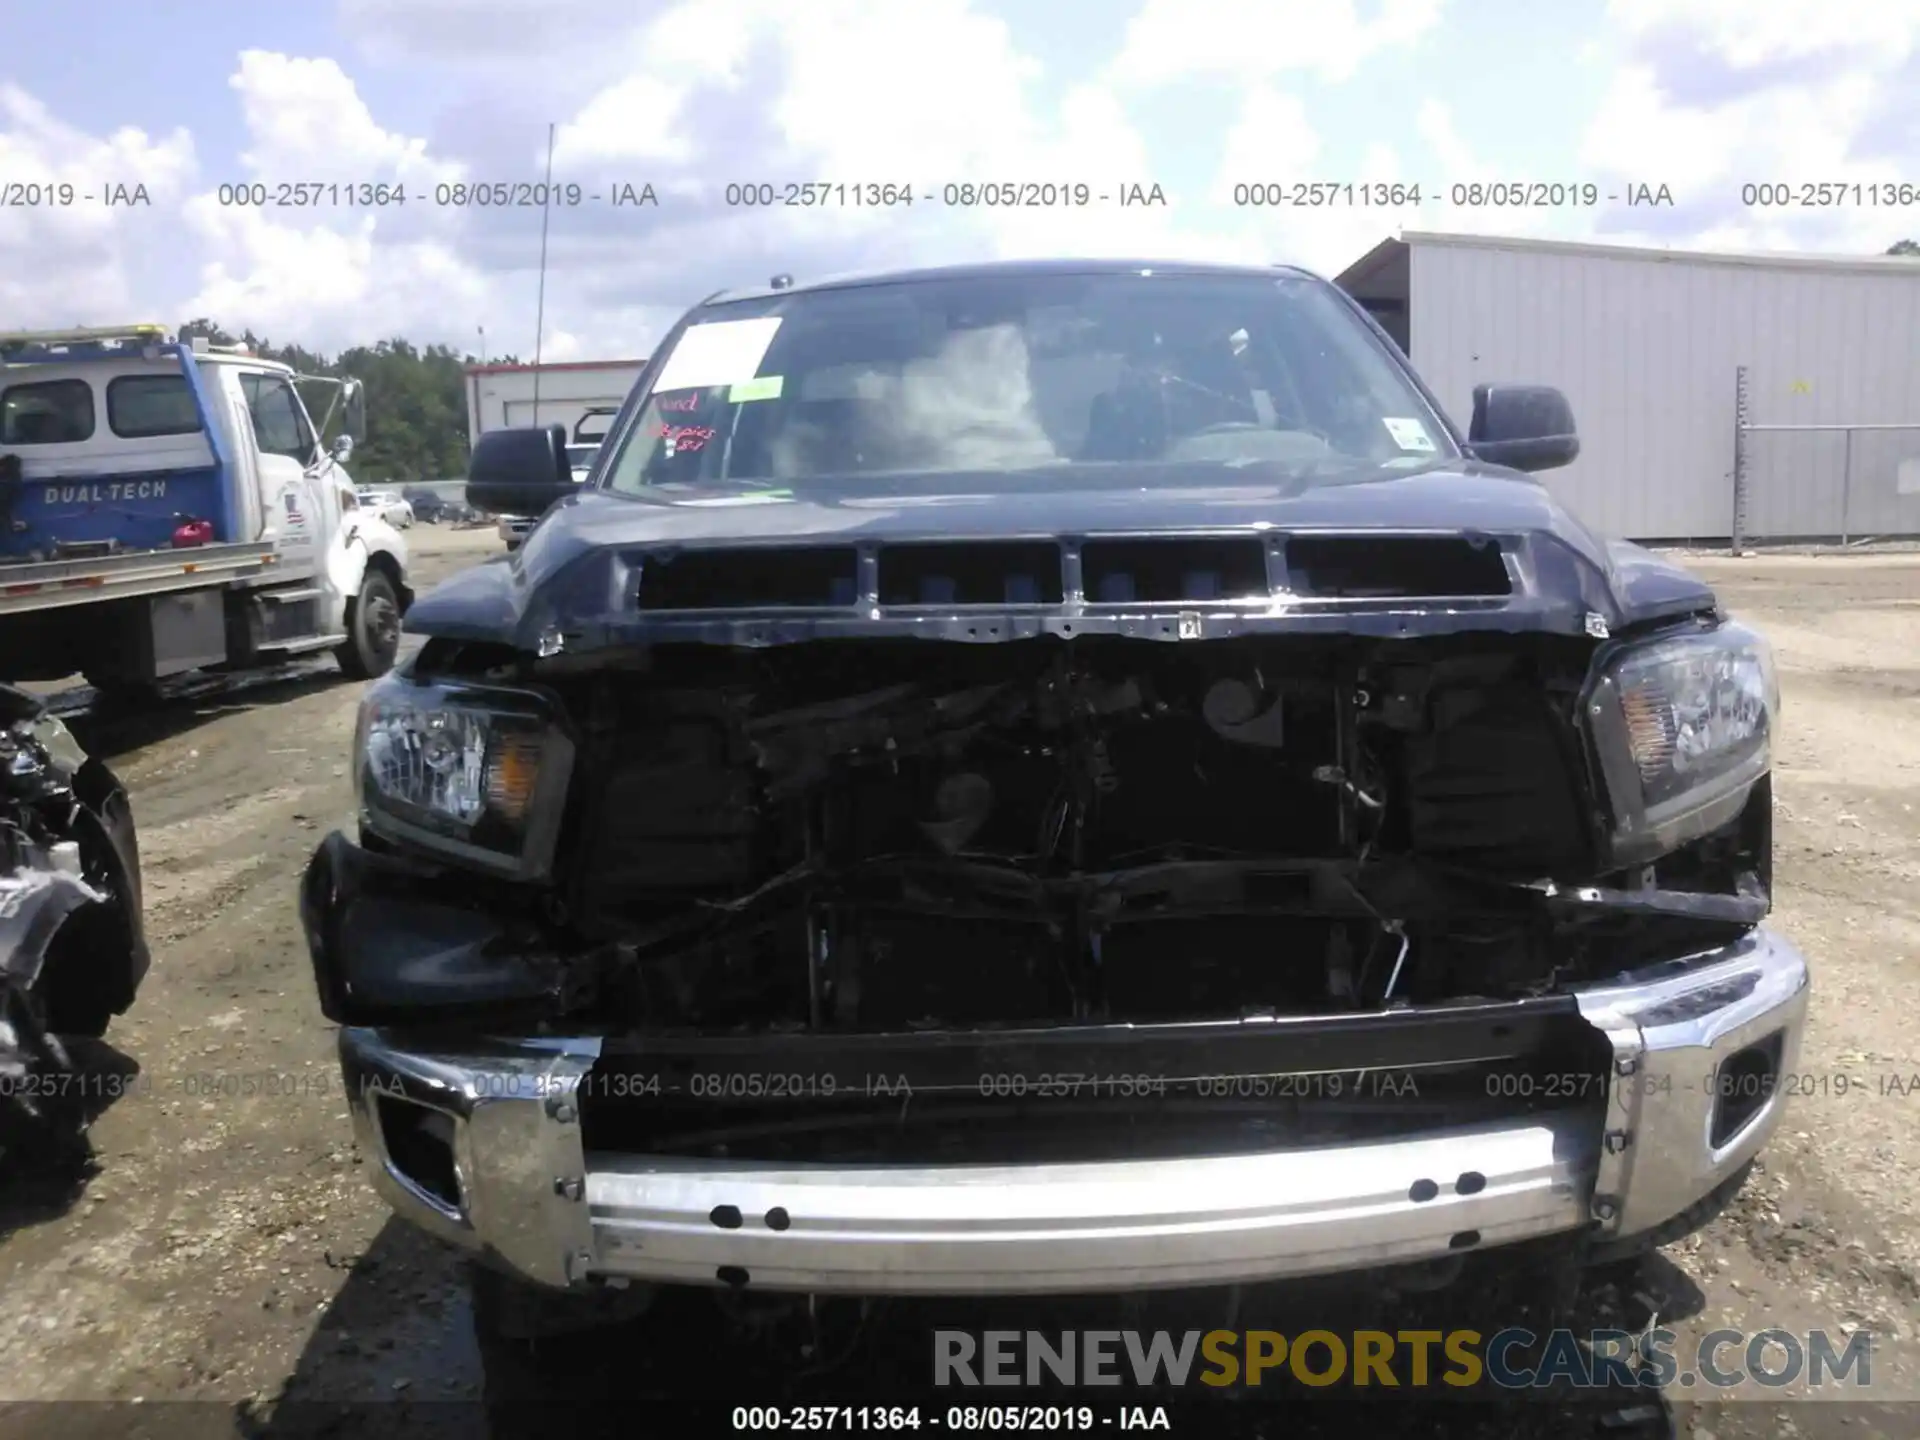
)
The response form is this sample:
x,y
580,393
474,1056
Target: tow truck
x,y
168,505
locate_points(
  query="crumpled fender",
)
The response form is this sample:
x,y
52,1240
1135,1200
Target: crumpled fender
x,y
43,884
34,901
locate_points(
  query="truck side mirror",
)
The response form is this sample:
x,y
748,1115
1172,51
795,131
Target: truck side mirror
x,y
1524,427
520,471
354,423
343,447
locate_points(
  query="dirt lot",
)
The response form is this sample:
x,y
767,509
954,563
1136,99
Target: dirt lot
x,y
228,1250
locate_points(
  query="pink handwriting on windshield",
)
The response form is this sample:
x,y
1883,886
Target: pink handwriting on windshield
x,y
686,438
680,402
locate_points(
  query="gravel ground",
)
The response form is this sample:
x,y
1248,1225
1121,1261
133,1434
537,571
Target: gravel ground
x,y
227,1250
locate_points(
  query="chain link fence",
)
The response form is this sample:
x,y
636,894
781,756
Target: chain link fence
x,y
1815,484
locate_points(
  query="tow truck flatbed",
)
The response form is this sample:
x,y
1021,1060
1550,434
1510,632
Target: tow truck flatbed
x,y
49,584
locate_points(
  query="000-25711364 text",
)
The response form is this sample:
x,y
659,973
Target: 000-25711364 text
x,y
960,1419
458,194
1381,194
188,1085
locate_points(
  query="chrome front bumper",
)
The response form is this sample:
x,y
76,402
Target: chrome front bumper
x,y
532,1200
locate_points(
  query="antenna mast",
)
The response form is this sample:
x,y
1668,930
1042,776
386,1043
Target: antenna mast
x,y
540,313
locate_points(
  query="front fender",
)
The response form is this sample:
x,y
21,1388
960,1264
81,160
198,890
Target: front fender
x,y
366,538
109,942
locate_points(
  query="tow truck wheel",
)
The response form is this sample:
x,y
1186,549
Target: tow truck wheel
x,y
373,629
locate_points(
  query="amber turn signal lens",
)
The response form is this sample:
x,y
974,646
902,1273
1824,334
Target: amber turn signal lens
x,y
513,768
1647,729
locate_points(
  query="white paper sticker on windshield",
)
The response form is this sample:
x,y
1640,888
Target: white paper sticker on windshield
x,y
1408,434
723,353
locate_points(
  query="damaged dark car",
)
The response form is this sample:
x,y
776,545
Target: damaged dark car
x,y
1044,778
73,945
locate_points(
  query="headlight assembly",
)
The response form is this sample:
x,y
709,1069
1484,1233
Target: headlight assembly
x,y
476,773
1682,727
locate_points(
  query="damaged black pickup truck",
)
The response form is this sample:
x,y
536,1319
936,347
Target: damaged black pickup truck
x,y
1054,778
73,946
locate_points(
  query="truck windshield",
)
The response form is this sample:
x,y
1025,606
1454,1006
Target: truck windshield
x,y
1042,372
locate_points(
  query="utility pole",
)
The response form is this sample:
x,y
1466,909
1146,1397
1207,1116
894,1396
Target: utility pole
x,y
540,311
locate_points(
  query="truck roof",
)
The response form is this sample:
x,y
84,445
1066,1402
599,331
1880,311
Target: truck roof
x,y
115,342
992,269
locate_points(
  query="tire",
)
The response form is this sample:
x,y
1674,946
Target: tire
x,y
373,629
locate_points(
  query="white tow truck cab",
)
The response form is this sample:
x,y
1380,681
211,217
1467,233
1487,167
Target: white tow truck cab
x,y
168,506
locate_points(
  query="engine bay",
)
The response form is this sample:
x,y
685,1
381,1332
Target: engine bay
x,y
897,835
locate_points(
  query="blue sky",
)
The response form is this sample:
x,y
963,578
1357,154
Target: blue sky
x,y
1701,96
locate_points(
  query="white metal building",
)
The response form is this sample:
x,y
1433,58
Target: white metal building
x,y
1649,346
580,395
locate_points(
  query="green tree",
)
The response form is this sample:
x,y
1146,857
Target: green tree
x,y
1904,247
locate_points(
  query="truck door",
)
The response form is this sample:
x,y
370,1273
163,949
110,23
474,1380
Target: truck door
x,y
289,480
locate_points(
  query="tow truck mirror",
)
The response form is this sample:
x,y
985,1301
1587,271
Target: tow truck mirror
x,y
354,423
519,471
1524,427
343,447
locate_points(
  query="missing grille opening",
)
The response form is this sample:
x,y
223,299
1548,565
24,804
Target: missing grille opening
x,y
756,579
1159,572
1392,567
1017,573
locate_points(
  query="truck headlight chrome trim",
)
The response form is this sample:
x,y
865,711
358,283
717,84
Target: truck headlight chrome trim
x,y
1682,727
476,773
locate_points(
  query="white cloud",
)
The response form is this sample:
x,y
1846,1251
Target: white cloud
x,y
306,121
642,114
1172,40
1095,143
66,256
1746,35
1271,140
1712,96
1272,144
637,119
335,273
690,97
961,110
330,285
942,94
1443,139
478,32
562,345
1635,128
692,94
1461,164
